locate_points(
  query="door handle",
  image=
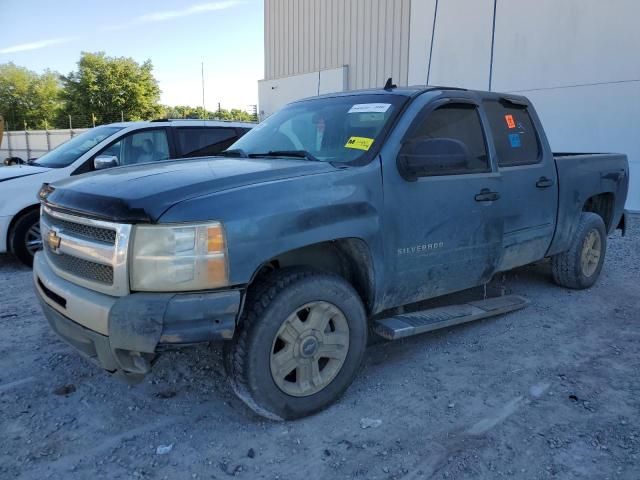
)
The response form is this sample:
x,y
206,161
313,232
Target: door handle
x,y
544,182
487,195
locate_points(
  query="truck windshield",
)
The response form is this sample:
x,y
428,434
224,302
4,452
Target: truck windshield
x,y
337,129
67,153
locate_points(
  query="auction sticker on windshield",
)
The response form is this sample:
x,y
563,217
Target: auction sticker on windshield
x,y
369,108
359,143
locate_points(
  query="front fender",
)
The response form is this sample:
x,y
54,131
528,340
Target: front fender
x,y
267,219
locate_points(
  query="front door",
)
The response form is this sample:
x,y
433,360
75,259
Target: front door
x,y
443,229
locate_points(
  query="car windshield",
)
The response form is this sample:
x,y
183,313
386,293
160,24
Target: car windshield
x,y
337,129
67,153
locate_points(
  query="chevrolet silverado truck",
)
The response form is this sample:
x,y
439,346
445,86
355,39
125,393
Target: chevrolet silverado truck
x,y
314,231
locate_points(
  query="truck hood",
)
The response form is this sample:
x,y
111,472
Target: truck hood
x,y
17,171
141,194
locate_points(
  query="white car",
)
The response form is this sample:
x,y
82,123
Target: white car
x,y
101,147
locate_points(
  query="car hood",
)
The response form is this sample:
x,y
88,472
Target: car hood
x,y
17,171
140,194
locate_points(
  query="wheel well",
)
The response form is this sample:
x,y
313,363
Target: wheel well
x,y
17,217
603,205
349,257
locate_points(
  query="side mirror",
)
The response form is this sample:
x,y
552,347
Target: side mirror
x,y
105,161
432,156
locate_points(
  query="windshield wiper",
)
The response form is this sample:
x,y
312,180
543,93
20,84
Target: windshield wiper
x,y
286,153
234,152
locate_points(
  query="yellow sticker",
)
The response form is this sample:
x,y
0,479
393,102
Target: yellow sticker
x,y
360,143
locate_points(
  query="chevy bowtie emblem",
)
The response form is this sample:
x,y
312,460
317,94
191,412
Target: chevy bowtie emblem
x,y
53,240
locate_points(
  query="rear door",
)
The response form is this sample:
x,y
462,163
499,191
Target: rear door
x,y
530,184
203,141
443,230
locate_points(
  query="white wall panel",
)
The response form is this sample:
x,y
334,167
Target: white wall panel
x,y
420,31
278,92
462,44
551,43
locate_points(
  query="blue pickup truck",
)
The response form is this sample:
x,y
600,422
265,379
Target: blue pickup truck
x,y
314,231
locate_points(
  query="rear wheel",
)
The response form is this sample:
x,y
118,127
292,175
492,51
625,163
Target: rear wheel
x,y
25,238
580,266
302,340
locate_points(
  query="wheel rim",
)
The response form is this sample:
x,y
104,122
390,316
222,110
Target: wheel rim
x,y
591,252
309,349
33,239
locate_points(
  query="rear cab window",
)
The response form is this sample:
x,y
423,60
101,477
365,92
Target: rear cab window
x,y
204,141
514,133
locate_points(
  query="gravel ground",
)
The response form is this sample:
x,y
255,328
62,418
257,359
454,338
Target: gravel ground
x,y
551,391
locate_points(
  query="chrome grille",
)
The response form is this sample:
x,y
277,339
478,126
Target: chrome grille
x,y
82,268
87,252
89,232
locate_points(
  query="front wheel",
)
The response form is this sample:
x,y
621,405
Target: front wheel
x,y
580,266
26,239
302,339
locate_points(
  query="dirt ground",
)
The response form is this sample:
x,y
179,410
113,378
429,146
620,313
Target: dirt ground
x,y
552,391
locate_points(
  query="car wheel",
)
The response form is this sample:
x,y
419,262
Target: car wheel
x,y
301,341
580,266
25,239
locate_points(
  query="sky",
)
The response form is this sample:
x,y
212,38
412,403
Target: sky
x,y
177,36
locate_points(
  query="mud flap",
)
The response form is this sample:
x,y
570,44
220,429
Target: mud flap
x,y
622,225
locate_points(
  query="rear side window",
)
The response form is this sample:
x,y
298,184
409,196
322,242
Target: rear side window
x,y
513,133
200,142
459,123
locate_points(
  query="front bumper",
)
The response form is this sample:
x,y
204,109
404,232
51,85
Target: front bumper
x,y
122,334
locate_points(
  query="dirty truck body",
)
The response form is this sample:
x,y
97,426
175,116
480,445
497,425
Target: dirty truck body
x,y
312,229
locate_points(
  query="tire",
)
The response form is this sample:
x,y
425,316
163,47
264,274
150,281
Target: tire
x,y
23,236
267,336
578,267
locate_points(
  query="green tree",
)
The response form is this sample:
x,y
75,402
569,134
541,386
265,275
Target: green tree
x,y
184,111
28,98
110,88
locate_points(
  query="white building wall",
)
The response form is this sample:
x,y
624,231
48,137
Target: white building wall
x,y
462,44
280,91
420,35
370,36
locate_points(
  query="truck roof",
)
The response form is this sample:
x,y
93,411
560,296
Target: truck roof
x,y
414,90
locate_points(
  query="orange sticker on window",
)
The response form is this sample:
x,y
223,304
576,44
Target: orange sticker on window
x,y
511,123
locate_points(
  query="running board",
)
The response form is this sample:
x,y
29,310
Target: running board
x,y
408,324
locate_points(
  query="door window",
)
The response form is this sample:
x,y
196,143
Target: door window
x,y
200,142
513,133
140,147
450,141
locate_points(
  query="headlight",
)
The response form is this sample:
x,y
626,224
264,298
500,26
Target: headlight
x,y
171,258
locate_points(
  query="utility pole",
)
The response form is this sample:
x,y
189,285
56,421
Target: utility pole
x,y
202,72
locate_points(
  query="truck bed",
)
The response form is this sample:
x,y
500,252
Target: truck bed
x,y
603,177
